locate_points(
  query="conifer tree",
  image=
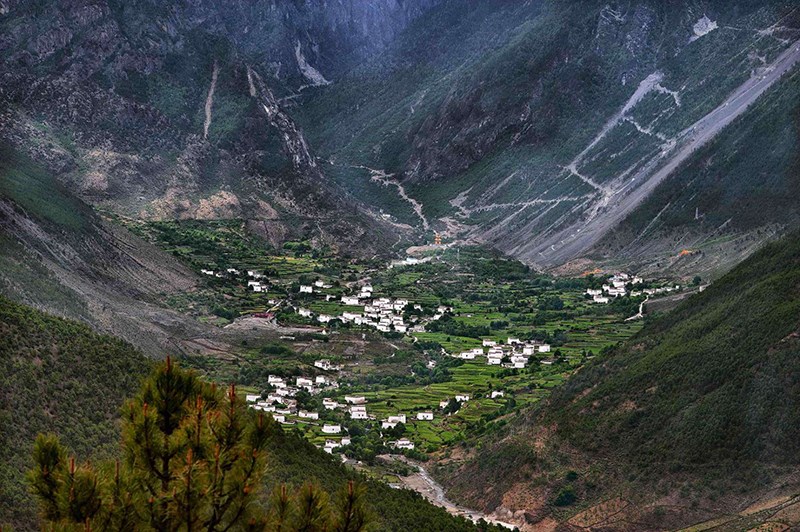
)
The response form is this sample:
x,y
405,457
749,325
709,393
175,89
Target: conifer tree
x,y
192,459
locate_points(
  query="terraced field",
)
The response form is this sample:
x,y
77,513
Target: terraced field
x,y
488,297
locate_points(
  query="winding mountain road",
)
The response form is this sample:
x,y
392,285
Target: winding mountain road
x,y
571,241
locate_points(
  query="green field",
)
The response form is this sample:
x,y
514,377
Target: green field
x,y
489,297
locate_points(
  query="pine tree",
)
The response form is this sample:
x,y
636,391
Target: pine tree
x,y
192,459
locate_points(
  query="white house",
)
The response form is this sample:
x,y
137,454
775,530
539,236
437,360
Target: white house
x,y
303,382
331,429
355,399
489,343
330,404
232,271
399,418
325,364
467,355
388,425
401,328
345,440
252,398
425,416
280,418
306,289
494,360
462,398
275,380
404,444
358,412
308,415
286,391
513,341
519,358
443,404
207,272
498,393
544,348
600,299
350,316
400,304
306,313
350,300
324,318
593,292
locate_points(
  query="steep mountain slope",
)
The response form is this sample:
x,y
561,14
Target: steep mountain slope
x,y
59,376
743,186
540,126
693,418
147,108
56,376
60,256
550,129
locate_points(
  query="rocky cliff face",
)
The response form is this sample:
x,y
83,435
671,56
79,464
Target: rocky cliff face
x,y
149,108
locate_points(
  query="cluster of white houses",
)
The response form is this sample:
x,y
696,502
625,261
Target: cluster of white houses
x,y
383,314
513,354
617,286
255,281
281,405
280,401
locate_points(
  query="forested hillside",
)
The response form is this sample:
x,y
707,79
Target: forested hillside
x,y
705,399
58,376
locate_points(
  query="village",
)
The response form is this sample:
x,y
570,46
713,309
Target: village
x,y
279,396
378,356
357,305
620,285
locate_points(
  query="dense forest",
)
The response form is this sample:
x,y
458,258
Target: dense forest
x,y
56,376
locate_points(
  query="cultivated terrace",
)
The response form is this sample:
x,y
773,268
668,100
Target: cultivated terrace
x,y
371,357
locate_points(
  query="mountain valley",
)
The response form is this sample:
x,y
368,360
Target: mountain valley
x,y
498,264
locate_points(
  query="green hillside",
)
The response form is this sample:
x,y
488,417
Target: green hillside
x,y
58,376
703,404
714,384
